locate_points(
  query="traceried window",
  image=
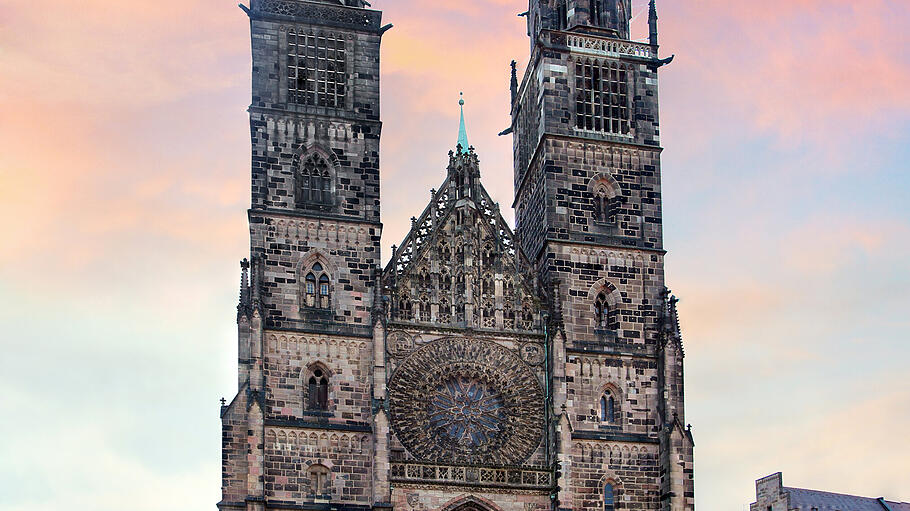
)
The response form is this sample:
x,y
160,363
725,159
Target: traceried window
x,y
602,97
316,69
318,391
317,288
319,479
609,497
607,407
314,183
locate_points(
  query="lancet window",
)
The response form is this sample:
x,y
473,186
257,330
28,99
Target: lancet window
x,y
318,390
609,497
607,407
601,312
314,183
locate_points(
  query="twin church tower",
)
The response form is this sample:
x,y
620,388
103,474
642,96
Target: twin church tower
x,y
481,368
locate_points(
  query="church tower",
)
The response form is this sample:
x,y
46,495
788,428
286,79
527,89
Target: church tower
x,y
588,217
299,433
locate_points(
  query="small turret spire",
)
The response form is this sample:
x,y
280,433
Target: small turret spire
x,y
652,23
462,130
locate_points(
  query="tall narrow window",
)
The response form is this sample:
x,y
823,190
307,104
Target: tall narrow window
x,y
314,183
602,97
310,290
317,66
595,12
609,498
319,479
318,391
607,408
562,14
601,312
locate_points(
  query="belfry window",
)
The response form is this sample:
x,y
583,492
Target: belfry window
x,y
316,66
314,183
595,12
317,288
609,498
602,97
318,391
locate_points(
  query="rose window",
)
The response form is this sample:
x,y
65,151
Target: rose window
x,y
458,400
467,411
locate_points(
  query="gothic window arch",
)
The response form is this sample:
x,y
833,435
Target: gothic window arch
x,y
607,198
317,388
314,188
320,477
317,287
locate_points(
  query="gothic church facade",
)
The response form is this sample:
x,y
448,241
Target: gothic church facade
x,y
481,368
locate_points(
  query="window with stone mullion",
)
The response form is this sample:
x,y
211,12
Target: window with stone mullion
x,y
601,97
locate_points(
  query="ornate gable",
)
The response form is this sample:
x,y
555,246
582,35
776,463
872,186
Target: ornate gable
x,y
460,265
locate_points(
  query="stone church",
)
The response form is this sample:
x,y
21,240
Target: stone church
x,y
481,368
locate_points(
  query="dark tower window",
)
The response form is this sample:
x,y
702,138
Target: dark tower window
x,y
314,183
316,69
318,391
602,97
608,408
601,312
562,15
595,12
609,498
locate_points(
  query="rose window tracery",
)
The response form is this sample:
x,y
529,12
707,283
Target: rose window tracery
x,y
467,411
466,401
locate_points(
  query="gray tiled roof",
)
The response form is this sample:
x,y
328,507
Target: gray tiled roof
x,y
805,500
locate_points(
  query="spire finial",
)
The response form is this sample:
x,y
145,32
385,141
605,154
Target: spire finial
x,y
462,131
652,23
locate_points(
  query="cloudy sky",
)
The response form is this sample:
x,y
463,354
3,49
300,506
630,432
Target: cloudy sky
x,y
124,164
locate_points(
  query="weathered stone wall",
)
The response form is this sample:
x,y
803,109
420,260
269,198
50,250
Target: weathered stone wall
x,y
289,245
290,360
631,468
290,452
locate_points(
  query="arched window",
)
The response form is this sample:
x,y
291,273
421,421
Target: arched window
x,y
601,312
317,288
608,408
318,391
319,479
609,497
314,183
595,12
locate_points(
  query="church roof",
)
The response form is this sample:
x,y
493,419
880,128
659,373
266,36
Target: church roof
x,y
806,500
460,263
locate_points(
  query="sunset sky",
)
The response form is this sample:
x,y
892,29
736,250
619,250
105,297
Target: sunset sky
x,y
124,183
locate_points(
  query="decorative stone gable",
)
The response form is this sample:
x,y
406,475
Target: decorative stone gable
x,y
460,264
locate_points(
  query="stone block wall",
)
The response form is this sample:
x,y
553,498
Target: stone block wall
x,y
633,469
632,380
290,452
289,245
289,360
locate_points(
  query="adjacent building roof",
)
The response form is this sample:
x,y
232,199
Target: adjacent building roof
x,y
808,500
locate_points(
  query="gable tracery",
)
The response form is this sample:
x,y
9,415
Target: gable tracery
x,y
460,264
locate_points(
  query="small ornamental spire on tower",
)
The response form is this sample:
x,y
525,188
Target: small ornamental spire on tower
x,y
462,131
652,23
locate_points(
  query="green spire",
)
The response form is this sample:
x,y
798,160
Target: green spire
x,y
462,131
